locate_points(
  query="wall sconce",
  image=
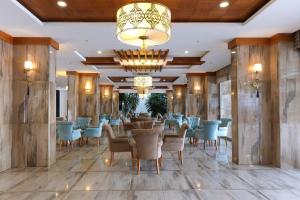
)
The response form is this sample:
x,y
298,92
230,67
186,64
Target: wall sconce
x,y
255,83
178,94
106,93
28,66
88,86
197,89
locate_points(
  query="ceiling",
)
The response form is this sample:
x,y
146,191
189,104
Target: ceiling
x,y
279,16
105,11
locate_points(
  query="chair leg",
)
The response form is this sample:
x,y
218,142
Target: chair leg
x,y
111,158
225,138
178,155
160,162
204,144
157,167
138,166
181,157
216,145
219,141
60,144
87,140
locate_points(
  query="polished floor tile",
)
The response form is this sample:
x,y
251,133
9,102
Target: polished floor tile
x,y
85,173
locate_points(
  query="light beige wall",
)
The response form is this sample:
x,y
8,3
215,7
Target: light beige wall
x,y
6,98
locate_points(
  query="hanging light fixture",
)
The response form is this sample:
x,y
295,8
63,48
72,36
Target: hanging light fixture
x,y
142,81
144,24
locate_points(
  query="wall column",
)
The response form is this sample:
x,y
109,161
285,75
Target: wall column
x,y
179,99
106,101
6,99
115,102
170,97
73,97
34,136
89,100
203,96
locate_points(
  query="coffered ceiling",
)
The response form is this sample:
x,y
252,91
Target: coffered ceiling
x,y
105,10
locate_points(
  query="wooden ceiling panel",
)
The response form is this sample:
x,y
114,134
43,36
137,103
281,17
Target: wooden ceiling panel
x,y
162,79
182,10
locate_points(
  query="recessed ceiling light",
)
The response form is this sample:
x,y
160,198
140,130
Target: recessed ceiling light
x,y
233,52
62,4
224,4
99,52
186,51
164,80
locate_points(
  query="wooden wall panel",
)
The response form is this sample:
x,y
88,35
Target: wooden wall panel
x,y
288,60
115,106
6,98
34,113
169,101
106,99
179,99
73,96
89,100
251,116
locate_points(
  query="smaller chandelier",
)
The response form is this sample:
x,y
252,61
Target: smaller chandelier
x,y
142,81
144,24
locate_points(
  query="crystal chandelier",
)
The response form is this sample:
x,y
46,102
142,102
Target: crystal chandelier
x,y
142,81
144,24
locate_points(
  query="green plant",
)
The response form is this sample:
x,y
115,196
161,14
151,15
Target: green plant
x,y
129,102
157,103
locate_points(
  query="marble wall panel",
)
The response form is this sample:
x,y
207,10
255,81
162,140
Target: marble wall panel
x,y
73,96
89,99
251,116
169,101
179,99
34,107
6,96
288,60
115,103
106,102
212,96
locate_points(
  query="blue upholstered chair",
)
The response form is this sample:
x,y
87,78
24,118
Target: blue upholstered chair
x,y
116,122
208,132
104,116
67,134
223,129
94,132
193,123
82,123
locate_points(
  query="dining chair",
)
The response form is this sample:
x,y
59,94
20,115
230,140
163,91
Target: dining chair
x,y
116,144
176,142
208,132
193,123
67,134
223,129
94,132
147,146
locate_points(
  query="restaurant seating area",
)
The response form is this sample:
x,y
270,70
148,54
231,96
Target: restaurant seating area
x,y
150,100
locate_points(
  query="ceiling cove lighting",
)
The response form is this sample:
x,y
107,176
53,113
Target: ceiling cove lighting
x,y
79,55
224,4
144,24
62,4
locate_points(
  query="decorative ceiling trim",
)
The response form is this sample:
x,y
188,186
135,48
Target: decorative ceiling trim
x,y
6,37
36,41
260,41
201,74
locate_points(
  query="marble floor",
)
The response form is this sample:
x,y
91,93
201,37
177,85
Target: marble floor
x,y
84,173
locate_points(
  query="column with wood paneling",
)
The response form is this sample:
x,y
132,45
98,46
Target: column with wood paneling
x,y
106,101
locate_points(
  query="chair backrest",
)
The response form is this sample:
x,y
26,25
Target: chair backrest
x,y
64,130
193,122
146,143
140,119
83,122
105,116
178,118
115,122
143,124
225,122
210,129
159,127
182,131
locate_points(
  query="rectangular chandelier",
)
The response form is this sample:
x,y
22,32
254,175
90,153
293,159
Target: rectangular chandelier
x,y
142,60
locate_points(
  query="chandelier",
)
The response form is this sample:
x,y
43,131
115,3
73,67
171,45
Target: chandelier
x,y
144,24
142,81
